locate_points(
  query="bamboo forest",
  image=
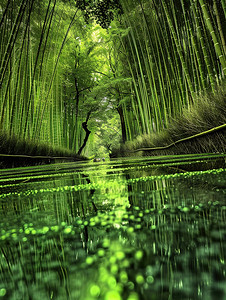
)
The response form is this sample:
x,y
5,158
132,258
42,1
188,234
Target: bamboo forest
x,y
113,149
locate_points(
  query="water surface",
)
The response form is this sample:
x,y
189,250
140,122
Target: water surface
x,y
120,230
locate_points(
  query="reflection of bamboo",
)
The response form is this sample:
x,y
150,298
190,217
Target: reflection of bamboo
x,y
212,130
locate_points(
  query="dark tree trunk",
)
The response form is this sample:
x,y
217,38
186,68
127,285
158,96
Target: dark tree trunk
x,y
84,126
123,126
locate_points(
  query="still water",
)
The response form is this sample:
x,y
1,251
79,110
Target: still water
x,y
118,230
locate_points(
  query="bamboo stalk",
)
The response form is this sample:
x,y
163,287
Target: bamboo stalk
x,y
179,48
217,47
52,77
219,26
12,40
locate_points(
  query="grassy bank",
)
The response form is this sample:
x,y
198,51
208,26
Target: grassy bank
x,y
16,152
200,129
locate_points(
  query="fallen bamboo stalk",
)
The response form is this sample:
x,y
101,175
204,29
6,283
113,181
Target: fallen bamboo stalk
x,y
35,156
212,130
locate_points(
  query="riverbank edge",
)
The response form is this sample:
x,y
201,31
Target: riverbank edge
x,y
17,152
201,128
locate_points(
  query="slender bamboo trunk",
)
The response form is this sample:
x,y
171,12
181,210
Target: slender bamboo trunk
x,y
211,29
219,26
39,122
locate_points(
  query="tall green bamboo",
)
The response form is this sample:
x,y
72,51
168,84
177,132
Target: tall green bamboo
x,y
177,52
216,41
30,98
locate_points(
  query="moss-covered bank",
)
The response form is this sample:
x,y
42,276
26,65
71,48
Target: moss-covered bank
x,y
15,152
200,129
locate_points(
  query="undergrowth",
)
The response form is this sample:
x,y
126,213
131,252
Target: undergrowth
x,y
207,112
12,145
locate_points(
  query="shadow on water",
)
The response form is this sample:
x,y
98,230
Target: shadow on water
x,y
116,230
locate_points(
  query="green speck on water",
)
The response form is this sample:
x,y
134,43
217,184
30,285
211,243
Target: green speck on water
x,y
139,279
27,231
114,269
123,277
101,252
138,255
125,263
112,259
112,282
130,229
120,255
67,230
95,290
112,295
96,219
150,279
133,296
104,223
45,229
130,285
185,209
138,226
89,260
2,292
14,235
106,243
54,228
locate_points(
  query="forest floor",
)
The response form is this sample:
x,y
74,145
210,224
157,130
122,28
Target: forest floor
x,y
201,128
16,152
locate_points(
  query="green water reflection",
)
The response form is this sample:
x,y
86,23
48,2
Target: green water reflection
x,y
112,231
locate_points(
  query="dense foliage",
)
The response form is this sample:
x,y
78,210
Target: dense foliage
x,y
102,11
